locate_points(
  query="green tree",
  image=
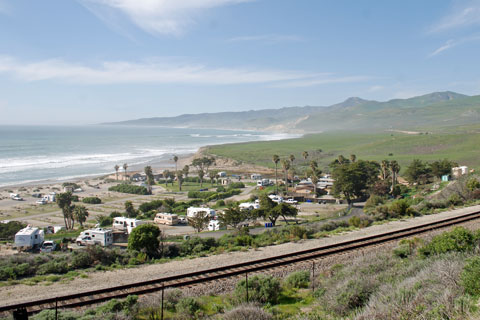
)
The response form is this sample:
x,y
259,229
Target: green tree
x,y
292,169
130,211
125,167
266,210
353,158
233,217
285,167
81,214
473,184
275,160
116,171
385,167
180,179
202,165
64,202
145,238
186,170
212,175
395,169
285,210
418,172
353,180
314,174
149,174
175,158
199,221
442,167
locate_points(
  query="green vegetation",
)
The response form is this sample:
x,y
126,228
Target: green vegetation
x,y
129,188
9,229
145,238
457,144
92,200
376,285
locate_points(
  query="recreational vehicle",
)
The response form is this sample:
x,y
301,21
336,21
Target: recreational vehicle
x,y
166,218
249,206
29,238
192,212
98,236
126,224
215,225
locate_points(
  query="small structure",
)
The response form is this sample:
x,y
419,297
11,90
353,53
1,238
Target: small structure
x,y
126,224
193,211
459,171
256,176
304,187
98,236
168,219
445,177
29,238
138,177
222,174
215,225
68,189
226,181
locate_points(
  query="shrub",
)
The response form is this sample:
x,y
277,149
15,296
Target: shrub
x,y
129,188
187,306
299,279
220,203
473,184
354,295
374,201
104,221
359,222
171,298
470,276
53,267
92,200
221,189
247,312
454,200
8,230
459,239
145,238
263,289
152,205
81,259
236,185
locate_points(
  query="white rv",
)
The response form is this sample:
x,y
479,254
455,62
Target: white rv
x,y
264,183
49,197
256,176
98,236
29,238
126,224
215,225
276,198
249,206
166,218
192,212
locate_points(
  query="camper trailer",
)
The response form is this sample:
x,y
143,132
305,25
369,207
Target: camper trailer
x,y
98,236
168,219
28,238
126,224
264,183
214,225
192,212
249,206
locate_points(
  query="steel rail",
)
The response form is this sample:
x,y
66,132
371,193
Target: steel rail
x,y
144,287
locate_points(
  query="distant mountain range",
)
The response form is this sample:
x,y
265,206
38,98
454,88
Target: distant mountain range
x,y
430,110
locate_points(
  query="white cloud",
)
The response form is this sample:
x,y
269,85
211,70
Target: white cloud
x,y
164,17
324,79
375,88
461,16
117,72
453,43
268,38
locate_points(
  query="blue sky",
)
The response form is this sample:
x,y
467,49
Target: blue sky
x,y
89,61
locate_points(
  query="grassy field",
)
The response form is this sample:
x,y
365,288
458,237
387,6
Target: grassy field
x,y
459,144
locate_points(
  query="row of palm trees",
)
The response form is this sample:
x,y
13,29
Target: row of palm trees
x,y
117,167
288,164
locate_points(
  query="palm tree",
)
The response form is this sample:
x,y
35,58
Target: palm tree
x,y
395,168
314,175
116,171
175,158
341,159
292,159
275,160
125,167
286,166
185,170
353,158
385,166
305,156
81,214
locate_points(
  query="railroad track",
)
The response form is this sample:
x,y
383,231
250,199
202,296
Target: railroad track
x,y
182,280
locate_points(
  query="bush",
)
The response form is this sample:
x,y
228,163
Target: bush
x,y
149,206
145,238
473,184
221,189
262,289
172,297
459,240
247,312
92,200
129,188
8,230
374,201
236,185
104,221
81,260
470,276
454,200
53,267
220,203
359,222
354,295
187,306
299,279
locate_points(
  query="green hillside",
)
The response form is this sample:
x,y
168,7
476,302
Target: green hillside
x,y
457,143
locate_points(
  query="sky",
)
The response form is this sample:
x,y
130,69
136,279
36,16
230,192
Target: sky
x,y
91,61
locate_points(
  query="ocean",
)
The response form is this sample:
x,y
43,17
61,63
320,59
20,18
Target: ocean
x,y
44,153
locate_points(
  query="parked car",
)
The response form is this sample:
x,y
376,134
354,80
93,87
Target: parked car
x,y
48,246
41,201
291,201
182,220
17,198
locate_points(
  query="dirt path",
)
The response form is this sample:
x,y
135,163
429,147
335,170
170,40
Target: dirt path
x,y
97,280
